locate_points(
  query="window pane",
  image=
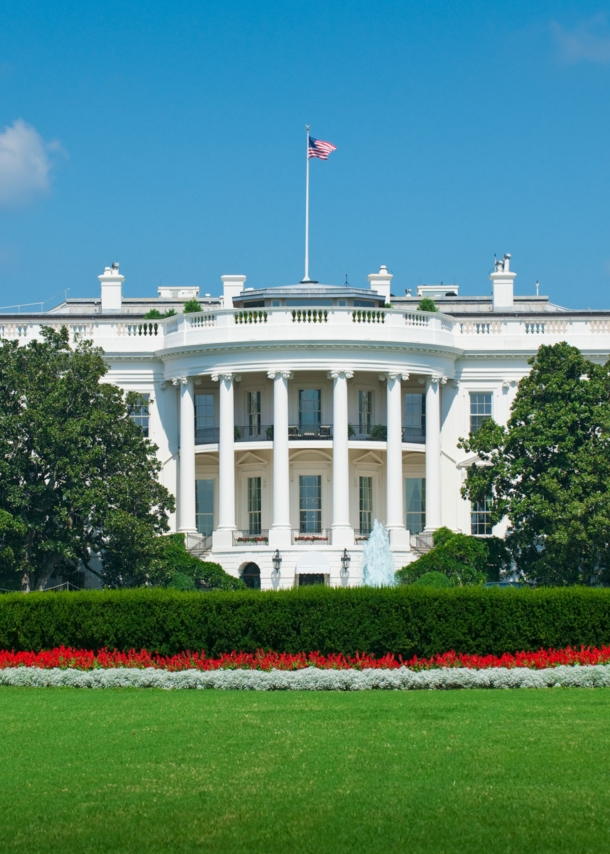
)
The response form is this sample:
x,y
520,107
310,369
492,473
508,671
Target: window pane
x,y
415,416
140,414
416,504
254,413
366,504
205,426
310,408
204,506
310,503
480,410
254,505
365,411
480,523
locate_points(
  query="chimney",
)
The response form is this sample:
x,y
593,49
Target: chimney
x,y
502,287
112,289
381,282
232,287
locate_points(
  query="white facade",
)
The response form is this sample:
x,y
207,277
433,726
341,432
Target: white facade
x,y
287,419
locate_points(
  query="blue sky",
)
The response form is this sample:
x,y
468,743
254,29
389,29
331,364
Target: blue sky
x,y
170,137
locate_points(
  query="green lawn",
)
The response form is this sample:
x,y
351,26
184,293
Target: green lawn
x,y
456,771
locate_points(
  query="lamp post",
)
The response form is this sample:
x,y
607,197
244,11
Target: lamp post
x,y
345,562
277,561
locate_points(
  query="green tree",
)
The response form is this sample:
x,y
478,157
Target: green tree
x,y
427,304
548,471
191,306
462,559
173,566
77,477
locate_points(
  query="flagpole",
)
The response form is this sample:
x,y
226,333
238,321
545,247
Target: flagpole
x,y
306,277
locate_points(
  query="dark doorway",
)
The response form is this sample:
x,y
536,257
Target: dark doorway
x,y
251,576
306,579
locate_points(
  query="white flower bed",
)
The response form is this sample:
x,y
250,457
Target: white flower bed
x,y
311,678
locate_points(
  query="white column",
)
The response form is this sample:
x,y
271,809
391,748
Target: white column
x,y
279,534
223,533
342,532
186,491
433,452
395,518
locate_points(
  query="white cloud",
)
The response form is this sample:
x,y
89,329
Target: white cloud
x,y
588,41
25,164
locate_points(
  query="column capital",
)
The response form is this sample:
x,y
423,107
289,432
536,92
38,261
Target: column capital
x,y
287,375
228,376
438,379
334,375
180,380
394,375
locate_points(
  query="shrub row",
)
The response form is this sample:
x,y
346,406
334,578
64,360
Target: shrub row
x,y
404,620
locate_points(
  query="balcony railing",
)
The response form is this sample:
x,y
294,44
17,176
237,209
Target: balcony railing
x,y
254,433
415,435
303,538
206,435
321,431
264,433
243,538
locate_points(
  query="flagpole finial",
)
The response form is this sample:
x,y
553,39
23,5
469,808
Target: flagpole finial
x,y
307,128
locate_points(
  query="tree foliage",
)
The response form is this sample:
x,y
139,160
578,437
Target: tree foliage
x,y
548,471
427,304
77,477
462,559
165,562
191,306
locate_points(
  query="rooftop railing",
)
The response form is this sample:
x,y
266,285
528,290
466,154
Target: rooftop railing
x,y
334,322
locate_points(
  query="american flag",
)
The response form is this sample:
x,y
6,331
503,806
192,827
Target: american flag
x,y
318,148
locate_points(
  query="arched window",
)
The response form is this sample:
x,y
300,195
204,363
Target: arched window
x,y
251,576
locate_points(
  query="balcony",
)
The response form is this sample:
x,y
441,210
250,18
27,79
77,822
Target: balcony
x,y
245,539
302,538
264,433
254,433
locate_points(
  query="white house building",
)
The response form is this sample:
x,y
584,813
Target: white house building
x,y
287,419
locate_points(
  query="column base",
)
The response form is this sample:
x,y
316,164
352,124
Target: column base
x,y
342,536
222,538
399,539
280,538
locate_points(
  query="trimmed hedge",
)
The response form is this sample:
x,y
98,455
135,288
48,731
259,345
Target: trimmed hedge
x,y
403,620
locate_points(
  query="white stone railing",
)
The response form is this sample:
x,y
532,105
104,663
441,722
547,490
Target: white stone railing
x,y
333,323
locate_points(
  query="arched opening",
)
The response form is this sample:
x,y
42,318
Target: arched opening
x,y
251,576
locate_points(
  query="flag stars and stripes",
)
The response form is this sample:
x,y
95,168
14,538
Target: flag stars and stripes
x,y
319,148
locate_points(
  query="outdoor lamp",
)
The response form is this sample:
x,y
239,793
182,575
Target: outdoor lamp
x,y
277,561
345,561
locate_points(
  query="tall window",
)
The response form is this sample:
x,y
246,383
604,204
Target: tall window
x,y
310,409
254,413
416,504
204,506
415,416
480,518
366,504
310,503
365,412
480,409
140,414
204,419
254,505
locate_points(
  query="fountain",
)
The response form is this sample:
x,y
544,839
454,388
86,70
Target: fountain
x,y
377,560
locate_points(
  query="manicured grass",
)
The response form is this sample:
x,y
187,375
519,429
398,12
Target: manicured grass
x,y
460,771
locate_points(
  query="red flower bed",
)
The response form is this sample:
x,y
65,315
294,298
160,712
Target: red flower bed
x,y
83,659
